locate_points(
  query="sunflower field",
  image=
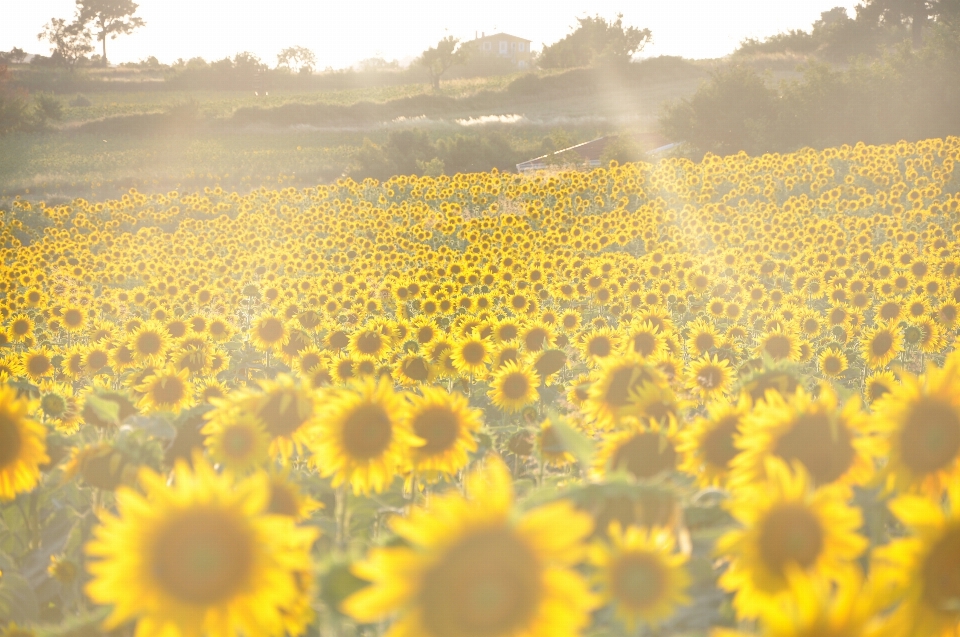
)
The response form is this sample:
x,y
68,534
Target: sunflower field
x,y
716,398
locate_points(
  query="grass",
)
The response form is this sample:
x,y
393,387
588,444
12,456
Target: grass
x,y
71,162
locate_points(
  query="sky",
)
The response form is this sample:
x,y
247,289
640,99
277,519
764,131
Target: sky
x,y
343,32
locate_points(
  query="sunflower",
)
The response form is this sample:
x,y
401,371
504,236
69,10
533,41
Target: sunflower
x,y
513,387
924,568
642,448
880,345
20,328
640,574
710,377
150,343
269,333
447,425
551,448
361,437
166,389
471,355
833,445
779,345
833,362
645,338
200,557
370,342
470,566
413,369
848,607
702,337
599,345
59,405
286,497
877,384
240,444
920,421
790,529
613,391
23,445
38,363
707,445
285,408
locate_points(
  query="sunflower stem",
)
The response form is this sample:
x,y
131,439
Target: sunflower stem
x,y
342,516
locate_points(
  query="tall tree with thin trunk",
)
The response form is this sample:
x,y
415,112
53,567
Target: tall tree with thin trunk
x,y
110,18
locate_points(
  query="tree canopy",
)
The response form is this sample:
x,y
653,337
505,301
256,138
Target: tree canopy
x,y
111,18
70,42
596,41
437,59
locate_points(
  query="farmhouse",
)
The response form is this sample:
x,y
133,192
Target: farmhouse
x,y
503,45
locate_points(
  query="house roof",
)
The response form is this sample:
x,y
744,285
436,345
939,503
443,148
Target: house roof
x,y
501,36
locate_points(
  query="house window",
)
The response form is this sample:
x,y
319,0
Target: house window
x,y
503,47
520,46
487,46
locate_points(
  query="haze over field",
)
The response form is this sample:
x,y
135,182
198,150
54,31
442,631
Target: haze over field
x,y
342,34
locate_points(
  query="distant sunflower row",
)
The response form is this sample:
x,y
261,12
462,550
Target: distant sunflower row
x,y
719,396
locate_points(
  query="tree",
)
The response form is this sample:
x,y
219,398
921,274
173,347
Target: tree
x,y
913,13
297,57
596,41
71,42
441,57
17,55
111,18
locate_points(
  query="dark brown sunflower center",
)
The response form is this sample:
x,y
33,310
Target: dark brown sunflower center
x,y
644,343
941,572
718,447
508,332
203,557
811,326
473,353
881,343
534,339
704,341
96,359
515,386
621,385
832,365
489,583
281,413
889,310
823,447
638,581
369,343
282,501
790,534
20,327
777,346
38,365
10,440
439,427
930,438
53,405
168,390
600,346
271,330
149,343
367,432
645,455
710,377
417,369
338,340
72,317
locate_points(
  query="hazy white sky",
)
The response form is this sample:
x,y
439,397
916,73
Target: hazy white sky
x,y
343,32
